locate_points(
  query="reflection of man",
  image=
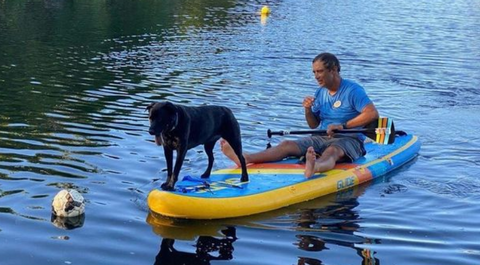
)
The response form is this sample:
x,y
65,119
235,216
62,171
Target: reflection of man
x,y
310,243
308,261
336,219
205,244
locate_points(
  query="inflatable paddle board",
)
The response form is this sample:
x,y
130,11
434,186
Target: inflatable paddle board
x,y
275,185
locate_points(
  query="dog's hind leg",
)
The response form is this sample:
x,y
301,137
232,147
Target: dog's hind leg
x,y
236,144
243,164
209,151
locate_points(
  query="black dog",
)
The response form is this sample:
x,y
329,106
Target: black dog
x,y
180,128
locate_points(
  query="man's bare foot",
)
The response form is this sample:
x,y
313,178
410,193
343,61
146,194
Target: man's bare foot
x,y
310,157
228,151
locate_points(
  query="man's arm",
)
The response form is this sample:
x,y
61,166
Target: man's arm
x,y
312,120
368,114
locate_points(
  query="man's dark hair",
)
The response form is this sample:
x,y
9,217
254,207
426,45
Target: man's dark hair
x,y
329,60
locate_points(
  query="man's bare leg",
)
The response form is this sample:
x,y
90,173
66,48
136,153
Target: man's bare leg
x,y
326,162
310,158
276,153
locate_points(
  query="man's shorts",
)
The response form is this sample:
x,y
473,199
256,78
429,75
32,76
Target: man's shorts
x,y
351,146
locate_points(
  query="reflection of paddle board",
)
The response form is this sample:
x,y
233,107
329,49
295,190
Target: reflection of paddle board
x,y
275,185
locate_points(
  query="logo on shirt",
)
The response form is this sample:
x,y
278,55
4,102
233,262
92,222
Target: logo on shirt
x,y
337,104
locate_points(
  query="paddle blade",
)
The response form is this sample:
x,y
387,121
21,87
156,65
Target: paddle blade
x,y
383,131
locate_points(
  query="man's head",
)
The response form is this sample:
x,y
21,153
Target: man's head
x,y
326,69
329,60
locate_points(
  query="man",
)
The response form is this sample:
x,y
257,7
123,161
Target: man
x,y
338,104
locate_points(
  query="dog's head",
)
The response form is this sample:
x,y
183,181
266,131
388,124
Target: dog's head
x,y
163,118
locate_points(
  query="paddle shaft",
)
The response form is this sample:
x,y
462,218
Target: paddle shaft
x,y
285,132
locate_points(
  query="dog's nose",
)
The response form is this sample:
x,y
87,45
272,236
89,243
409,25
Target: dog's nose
x,y
151,131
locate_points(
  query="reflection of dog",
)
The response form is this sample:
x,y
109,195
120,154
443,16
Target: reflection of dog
x,y
205,244
180,128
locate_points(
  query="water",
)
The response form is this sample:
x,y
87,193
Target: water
x,y
76,76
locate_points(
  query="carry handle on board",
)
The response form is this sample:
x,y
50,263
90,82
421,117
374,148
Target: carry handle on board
x,y
208,184
381,130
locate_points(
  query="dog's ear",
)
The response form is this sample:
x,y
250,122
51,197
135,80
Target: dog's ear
x,y
173,111
149,107
170,107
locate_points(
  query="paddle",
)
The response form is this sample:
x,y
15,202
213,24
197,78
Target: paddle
x,y
381,130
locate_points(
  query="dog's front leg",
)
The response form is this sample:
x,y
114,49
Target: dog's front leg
x,y
181,152
169,160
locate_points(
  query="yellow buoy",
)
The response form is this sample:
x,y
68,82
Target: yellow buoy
x,y
265,10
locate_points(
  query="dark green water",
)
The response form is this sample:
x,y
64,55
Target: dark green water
x,y
76,76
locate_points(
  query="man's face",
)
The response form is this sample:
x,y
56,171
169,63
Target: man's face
x,y
323,76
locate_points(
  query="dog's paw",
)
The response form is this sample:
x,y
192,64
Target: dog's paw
x,y
166,187
244,179
205,176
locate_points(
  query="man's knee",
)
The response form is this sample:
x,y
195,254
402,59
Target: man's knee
x,y
290,147
334,152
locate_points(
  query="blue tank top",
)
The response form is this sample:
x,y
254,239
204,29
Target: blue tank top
x,y
347,103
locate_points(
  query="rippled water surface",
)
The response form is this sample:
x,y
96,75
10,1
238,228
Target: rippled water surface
x,y
76,76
